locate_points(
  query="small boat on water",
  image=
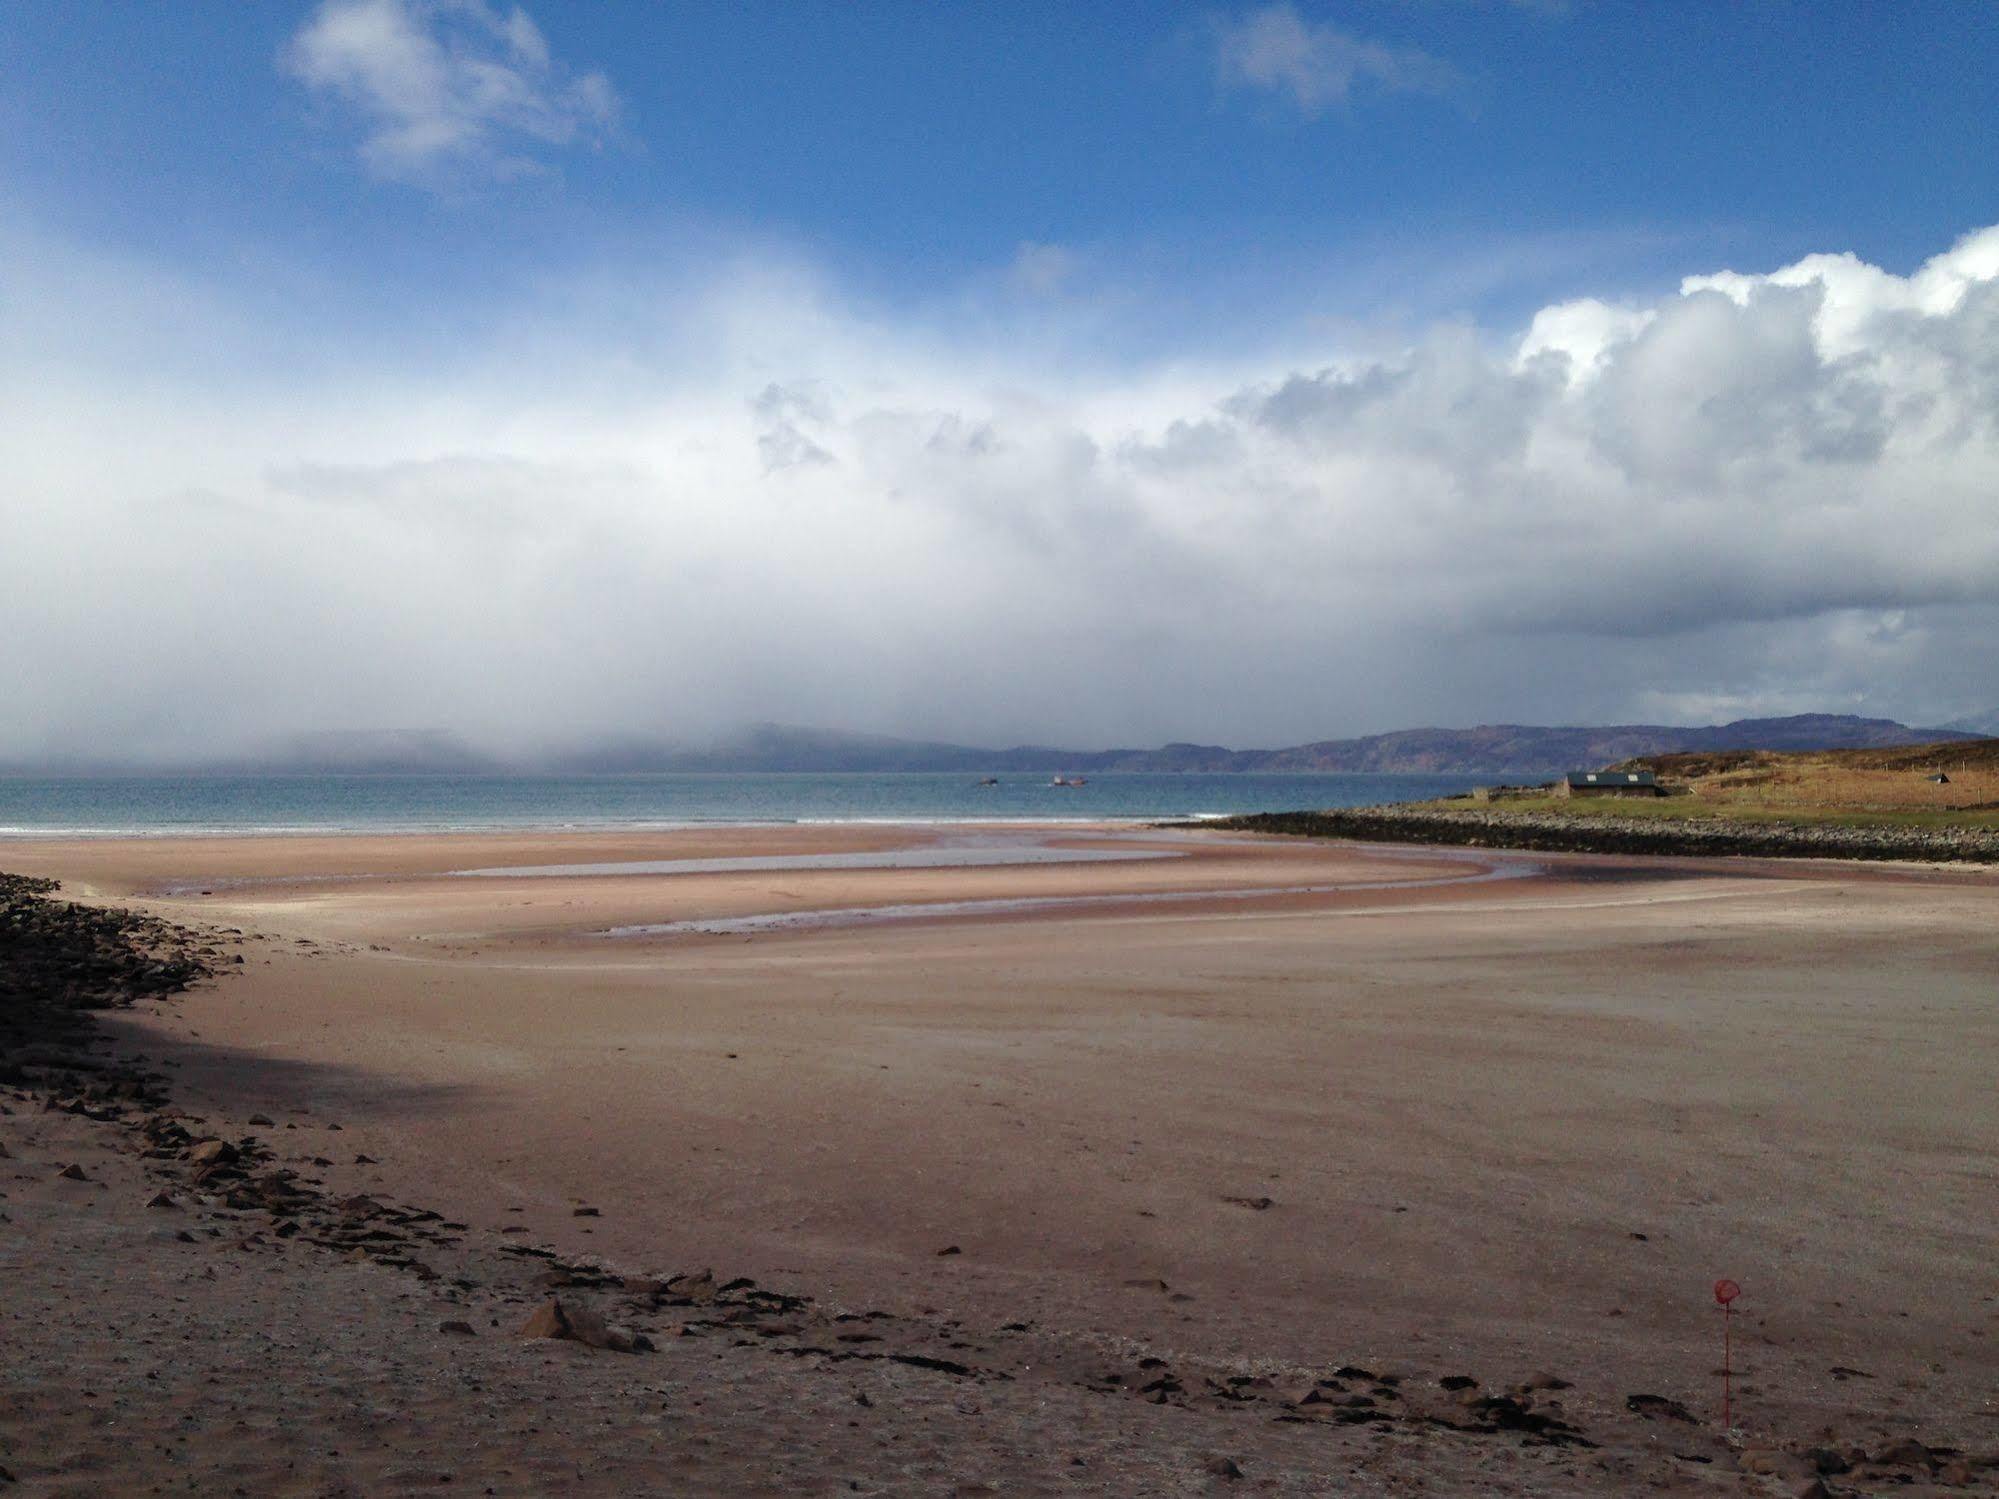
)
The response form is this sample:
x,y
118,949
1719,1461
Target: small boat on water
x,y
989,781
1070,781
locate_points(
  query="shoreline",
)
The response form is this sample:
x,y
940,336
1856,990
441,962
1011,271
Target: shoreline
x,y
1544,832
1224,1151
336,805
32,835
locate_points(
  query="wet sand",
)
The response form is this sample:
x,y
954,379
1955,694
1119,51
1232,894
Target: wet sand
x,y
1418,1120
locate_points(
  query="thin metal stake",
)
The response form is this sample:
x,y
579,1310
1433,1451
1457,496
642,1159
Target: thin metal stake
x,y
1725,1292
1727,1366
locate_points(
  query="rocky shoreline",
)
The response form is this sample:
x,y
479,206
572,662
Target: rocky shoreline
x,y
59,961
1554,832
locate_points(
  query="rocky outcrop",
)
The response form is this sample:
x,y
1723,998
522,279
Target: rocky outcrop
x,y
87,957
60,960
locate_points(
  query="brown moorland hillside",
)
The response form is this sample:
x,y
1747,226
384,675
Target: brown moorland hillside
x,y
1897,778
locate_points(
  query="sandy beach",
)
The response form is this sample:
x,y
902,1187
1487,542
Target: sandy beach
x,y
1257,1109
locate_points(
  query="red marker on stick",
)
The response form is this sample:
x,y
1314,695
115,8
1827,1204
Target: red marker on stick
x,y
1725,1292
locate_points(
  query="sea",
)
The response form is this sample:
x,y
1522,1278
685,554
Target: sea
x,y
157,805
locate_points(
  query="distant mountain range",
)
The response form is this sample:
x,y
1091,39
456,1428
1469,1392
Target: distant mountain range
x,y
1491,749
1985,725
1495,748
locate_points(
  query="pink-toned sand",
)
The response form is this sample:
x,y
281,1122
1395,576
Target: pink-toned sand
x,y
1502,1126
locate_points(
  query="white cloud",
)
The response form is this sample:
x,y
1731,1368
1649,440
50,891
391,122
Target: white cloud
x,y
743,499
447,87
784,420
1856,294
1315,65
1581,333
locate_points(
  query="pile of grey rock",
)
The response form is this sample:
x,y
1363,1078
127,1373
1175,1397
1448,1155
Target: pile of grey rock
x,y
1570,833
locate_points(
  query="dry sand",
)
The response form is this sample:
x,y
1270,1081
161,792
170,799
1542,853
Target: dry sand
x,y
1501,1126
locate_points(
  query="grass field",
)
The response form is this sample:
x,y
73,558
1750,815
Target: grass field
x,y
1847,788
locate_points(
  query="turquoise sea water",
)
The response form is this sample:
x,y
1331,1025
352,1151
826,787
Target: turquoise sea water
x,y
56,806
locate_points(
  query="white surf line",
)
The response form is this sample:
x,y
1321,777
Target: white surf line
x,y
851,916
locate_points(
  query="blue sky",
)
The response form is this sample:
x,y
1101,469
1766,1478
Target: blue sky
x,y
1028,371
914,148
